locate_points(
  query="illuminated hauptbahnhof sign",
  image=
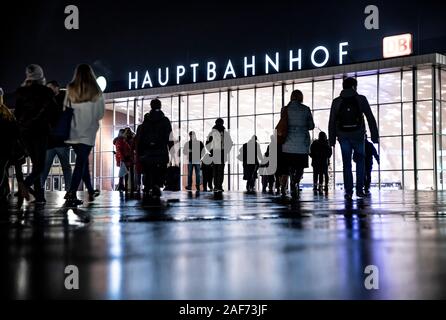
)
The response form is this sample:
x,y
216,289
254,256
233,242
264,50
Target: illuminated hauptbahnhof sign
x,y
294,60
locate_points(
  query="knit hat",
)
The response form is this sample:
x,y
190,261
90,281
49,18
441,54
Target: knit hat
x,y
34,72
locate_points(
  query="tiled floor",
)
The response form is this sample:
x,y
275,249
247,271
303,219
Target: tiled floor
x,y
241,247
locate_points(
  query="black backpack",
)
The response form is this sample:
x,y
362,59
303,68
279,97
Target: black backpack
x,y
349,116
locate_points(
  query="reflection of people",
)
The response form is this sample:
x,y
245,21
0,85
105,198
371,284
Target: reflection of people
x,y
347,124
87,101
220,145
35,111
320,153
193,150
252,155
154,142
296,147
57,147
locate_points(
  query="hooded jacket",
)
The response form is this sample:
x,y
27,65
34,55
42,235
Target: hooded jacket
x,y
154,138
333,131
36,109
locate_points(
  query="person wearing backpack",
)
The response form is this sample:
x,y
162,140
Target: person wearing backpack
x,y
56,145
154,140
320,153
347,125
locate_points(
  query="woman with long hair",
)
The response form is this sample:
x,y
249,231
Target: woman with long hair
x,y
85,97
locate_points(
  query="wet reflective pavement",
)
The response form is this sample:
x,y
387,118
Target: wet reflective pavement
x,y
241,247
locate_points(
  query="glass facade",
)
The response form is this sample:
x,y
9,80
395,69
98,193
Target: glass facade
x,y
408,104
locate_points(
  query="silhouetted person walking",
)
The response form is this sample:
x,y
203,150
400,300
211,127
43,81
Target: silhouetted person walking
x,y
56,146
347,124
193,150
154,141
370,153
296,147
220,145
251,157
320,153
87,101
36,111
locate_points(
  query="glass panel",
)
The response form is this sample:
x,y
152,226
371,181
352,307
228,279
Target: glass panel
x,y
246,129
212,105
264,100
426,180
233,103
424,150
321,118
391,180
389,87
223,104
390,119
175,109
195,107
264,128
337,87
424,117
407,86
234,129
197,127
390,153
166,106
307,91
443,85
121,113
183,108
323,94
409,179
338,158
107,135
277,98
288,90
424,84
407,118
368,87
246,102
408,153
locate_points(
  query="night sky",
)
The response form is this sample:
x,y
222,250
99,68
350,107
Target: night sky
x,y
121,36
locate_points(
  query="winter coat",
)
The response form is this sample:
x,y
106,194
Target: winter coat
x,y
54,142
154,138
85,123
220,144
320,153
36,109
334,132
123,152
300,122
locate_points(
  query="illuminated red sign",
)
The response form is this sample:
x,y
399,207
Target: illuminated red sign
x,y
397,46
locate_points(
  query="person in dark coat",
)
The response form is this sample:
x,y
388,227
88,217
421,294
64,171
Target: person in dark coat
x,y
193,152
207,169
370,153
36,111
251,158
154,138
56,146
220,144
320,153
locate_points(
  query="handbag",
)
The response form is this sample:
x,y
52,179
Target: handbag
x,y
123,171
61,130
282,127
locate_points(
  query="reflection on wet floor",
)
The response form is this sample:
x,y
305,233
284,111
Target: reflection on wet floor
x,y
241,247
